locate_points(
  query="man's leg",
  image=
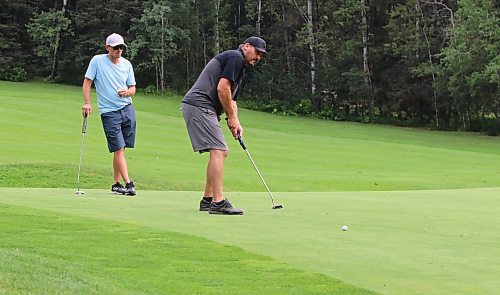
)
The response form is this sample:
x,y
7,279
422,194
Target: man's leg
x,y
215,174
205,133
120,169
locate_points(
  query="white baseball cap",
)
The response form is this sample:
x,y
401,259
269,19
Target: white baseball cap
x,y
114,40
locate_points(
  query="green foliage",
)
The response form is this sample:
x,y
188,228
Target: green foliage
x,y
16,74
46,29
471,62
417,35
150,89
488,126
92,22
15,50
157,37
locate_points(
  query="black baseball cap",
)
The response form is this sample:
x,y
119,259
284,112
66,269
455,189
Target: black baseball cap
x,y
257,42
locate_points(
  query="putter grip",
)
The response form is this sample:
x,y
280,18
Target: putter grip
x,y
241,142
84,127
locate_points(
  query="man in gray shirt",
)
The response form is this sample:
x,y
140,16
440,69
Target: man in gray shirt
x,y
215,92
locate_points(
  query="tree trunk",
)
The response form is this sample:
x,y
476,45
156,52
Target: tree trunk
x,y
259,12
366,68
162,56
157,75
238,24
429,56
54,59
310,26
285,41
216,27
452,22
205,58
436,101
56,47
417,26
188,74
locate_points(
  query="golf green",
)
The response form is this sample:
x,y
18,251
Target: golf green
x,y
413,242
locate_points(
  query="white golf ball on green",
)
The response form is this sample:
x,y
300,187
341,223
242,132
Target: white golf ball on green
x,y
344,228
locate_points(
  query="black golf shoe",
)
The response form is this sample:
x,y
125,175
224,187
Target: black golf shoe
x,y
224,207
118,188
130,189
205,204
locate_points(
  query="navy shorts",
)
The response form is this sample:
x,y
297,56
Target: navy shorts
x,y
119,127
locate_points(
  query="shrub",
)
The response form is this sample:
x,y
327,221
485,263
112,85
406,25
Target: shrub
x,y
16,74
491,127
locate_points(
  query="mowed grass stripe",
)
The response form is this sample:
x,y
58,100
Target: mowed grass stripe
x,y
50,253
41,127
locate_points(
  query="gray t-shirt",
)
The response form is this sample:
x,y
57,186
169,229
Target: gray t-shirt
x,y
228,64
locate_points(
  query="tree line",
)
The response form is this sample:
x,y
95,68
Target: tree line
x,y
432,63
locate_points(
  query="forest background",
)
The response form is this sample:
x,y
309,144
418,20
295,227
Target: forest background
x,y
422,63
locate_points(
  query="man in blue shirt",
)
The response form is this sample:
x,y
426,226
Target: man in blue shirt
x,y
214,92
114,80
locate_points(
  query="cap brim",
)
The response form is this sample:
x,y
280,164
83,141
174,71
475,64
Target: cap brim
x,y
113,45
261,49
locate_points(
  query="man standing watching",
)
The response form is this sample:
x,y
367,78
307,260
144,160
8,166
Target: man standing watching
x,y
214,92
114,80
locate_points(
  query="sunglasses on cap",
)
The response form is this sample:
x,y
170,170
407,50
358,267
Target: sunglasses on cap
x,y
118,47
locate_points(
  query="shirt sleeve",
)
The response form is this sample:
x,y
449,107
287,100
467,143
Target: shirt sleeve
x,y
92,69
131,77
232,68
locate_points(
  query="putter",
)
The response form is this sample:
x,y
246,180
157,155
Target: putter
x,y
275,206
84,129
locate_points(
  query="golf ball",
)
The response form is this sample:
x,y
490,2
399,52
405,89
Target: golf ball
x,y
344,228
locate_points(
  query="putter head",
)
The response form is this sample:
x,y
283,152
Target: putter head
x,y
79,193
279,206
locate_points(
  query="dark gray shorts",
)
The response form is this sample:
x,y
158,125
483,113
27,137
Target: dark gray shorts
x,y
119,127
204,128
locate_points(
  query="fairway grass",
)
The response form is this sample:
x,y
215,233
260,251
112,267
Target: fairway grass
x,y
414,242
41,135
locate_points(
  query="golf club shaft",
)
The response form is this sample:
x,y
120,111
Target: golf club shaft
x,y
84,129
261,178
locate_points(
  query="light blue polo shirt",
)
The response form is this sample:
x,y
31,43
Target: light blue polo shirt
x,y
108,78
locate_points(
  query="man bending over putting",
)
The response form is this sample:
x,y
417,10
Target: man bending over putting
x,y
215,91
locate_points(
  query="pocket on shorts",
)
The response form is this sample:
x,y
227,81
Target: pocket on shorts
x,y
208,111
